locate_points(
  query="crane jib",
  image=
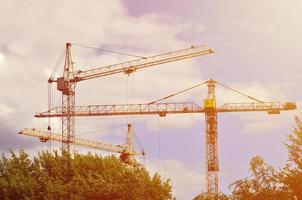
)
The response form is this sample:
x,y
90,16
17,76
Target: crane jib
x,y
168,108
131,66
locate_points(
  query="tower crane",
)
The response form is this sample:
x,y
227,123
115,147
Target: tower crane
x,y
209,108
67,83
126,151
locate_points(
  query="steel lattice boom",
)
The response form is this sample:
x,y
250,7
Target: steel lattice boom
x,y
45,136
126,148
166,108
131,66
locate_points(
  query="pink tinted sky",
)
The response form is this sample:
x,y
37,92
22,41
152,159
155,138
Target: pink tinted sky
x,y
257,51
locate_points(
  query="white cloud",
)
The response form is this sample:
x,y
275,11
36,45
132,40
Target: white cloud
x,y
263,123
6,110
187,180
31,57
261,126
259,122
173,122
2,59
33,54
270,92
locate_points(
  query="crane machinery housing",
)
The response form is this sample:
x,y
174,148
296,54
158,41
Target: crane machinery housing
x,y
126,151
209,108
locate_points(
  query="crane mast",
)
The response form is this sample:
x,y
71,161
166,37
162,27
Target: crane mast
x,y
211,146
129,139
67,87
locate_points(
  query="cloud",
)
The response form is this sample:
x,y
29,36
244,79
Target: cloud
x,y
5,110
262,123
173,122
258,122
11,140
2,60
269,92
34,32
187,180
31,56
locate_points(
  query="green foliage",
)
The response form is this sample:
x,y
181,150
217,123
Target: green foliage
x,y
59,176
264,183
207,196
291,175
267,183
294,147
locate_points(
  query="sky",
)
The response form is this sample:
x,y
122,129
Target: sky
x,y
257,51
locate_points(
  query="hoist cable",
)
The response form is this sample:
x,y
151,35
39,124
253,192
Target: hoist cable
x,y
58,63
102,129
239,92
49,119
139,143
110,51
177,93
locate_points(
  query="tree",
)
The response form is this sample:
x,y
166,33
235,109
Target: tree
x,y
291,175
264,183
207,196
268,183
60,176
